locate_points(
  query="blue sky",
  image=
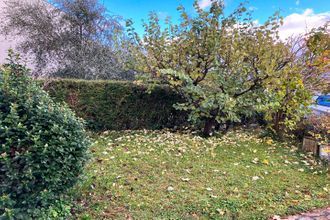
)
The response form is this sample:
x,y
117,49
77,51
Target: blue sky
x,y
139,9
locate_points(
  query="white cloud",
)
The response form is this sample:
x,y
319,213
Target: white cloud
x,y
204,3
295,24
252,8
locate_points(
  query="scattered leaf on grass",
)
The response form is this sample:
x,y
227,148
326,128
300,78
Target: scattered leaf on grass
x,y
170,189
185,179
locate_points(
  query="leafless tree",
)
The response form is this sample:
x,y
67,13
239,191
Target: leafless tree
x,y
68,38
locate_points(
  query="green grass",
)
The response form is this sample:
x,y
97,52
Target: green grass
x,y
164,175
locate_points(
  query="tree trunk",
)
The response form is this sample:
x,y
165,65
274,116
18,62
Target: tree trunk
x,y
276,122
278,119
208,127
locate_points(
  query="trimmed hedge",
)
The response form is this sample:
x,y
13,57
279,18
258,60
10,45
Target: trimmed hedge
x,y
118,105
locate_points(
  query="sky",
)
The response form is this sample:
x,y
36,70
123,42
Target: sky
x,y
299,15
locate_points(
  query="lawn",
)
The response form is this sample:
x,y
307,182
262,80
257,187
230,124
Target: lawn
x,y
165,175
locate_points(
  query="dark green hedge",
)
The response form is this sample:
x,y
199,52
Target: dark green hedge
x,y
117,105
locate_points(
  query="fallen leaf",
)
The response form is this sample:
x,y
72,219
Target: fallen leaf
x,y
185,179
221,212
266,162
170,189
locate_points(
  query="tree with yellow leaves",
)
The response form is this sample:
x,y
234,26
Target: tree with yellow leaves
x,y
220,64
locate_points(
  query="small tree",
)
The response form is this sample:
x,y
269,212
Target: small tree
x,y
220,64
291,94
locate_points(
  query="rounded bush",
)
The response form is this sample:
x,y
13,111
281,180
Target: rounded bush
x,y
43,146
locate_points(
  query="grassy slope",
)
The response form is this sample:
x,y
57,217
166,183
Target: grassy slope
x,y
163,175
